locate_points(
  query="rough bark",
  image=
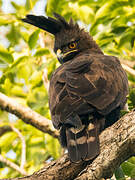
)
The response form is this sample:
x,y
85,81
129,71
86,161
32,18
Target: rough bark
x,y
117,143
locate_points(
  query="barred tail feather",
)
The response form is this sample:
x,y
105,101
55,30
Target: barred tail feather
x,y
83,144
93,140
76,143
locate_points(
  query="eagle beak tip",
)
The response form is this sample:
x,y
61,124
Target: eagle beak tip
x,y
59,55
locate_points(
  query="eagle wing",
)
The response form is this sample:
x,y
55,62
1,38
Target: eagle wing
x,y
89,82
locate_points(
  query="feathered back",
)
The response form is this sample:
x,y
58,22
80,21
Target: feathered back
x,y
49,24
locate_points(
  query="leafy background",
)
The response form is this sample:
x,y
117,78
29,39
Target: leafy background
x,y
26,57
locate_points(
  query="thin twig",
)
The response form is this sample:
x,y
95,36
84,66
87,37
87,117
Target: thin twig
x,y
23,154
13,165
44,60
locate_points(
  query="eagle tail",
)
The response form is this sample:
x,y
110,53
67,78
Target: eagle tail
x,y
83,143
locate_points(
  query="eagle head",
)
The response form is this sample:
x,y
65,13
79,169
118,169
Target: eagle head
x,y
70,39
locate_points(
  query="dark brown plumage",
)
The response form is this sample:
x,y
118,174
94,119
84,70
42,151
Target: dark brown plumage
x,y
86,92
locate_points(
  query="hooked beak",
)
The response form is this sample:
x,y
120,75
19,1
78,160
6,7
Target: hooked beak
x,y
61,57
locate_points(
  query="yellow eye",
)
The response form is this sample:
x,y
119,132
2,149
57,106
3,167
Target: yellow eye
x,y
72,45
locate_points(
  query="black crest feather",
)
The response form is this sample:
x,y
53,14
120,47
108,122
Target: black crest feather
x,y
48,24
62,20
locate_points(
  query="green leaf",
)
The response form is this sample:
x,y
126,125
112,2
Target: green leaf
x,y
133,173
4,21
131,77
3,64
2,165
115,7
41,52
38,96
7,139
132,96
6,56
36,77
119,30
18,91
132,160
51,66
129,34
33,39
30,4
19,60
83,12
15,5
127,168
102,11
0,2
53,146
86,13
14,35
105,39
7,86
119,174
25,36
52,6
24,71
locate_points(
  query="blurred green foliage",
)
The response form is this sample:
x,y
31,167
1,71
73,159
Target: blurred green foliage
x,y
24,57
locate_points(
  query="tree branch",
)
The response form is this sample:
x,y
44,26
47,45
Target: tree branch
x,y
128,69
117,144
4,129
127,62
27,115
